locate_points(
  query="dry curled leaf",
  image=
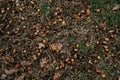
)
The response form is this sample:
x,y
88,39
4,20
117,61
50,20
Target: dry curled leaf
x,y
59,46
53,47
24,63
3,76
56,46
37,26
56,76
41,45
116,7
88,12
43,62
11,71
118,77
20,77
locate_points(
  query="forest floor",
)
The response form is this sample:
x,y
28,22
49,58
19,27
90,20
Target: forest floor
x,y
59,40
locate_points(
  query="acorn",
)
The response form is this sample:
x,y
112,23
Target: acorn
x,y
98,10
68,60
107,39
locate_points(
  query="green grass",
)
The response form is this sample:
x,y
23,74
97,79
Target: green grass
x,y
82,48
44,8
107,15
80,75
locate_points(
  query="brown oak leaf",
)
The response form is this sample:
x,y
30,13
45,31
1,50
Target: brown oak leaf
x,y
3,76
11,71
116,7
43,62
56,76
24,63
56,46
41,45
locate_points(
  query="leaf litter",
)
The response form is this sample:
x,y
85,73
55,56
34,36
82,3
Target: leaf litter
x,y
43,40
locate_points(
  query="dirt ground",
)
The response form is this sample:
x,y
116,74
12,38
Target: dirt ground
x,y
59,40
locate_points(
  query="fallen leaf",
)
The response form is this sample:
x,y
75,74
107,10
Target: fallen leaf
x,y
43,62
24,63
103,25
118,77
17,65
116,7
88,12
56,76
59,46
11,71
20,77
37,26
41,45
56,46
62,63
53,47
3,76
9,58
34,57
